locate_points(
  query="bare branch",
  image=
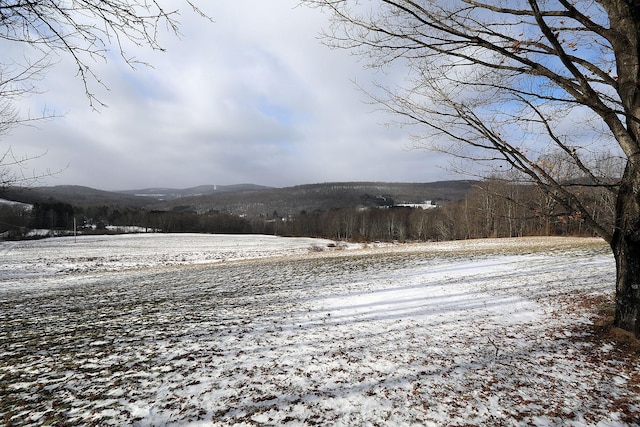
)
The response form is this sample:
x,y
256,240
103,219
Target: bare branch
x,y
86,30
15,171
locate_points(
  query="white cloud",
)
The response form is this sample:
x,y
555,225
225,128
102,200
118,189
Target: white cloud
x,y
254,97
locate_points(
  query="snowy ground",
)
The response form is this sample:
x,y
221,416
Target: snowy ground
x,y
258,330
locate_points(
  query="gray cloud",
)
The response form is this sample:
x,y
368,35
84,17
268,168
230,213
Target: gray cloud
x,y
254,97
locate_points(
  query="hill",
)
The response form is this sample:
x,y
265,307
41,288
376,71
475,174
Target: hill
x,y
249,199
201,190
72,194
319,197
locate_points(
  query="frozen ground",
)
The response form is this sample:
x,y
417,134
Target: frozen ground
x,y
159,330
129,251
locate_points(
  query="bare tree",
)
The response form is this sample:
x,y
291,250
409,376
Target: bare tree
x,y
85,31
495,81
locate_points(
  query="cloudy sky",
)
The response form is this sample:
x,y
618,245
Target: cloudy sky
x,y
253,97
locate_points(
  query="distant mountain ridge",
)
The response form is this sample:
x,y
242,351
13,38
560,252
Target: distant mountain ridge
x,y
251,199
72,194
201,190
317,197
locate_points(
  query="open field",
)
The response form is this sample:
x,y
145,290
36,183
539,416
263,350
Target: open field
x,y
258,330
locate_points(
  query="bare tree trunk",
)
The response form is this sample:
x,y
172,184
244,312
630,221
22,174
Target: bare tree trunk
x,y
627,255
626,250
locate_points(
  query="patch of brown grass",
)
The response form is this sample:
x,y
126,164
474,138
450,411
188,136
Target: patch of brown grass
x,y
603,329
626,351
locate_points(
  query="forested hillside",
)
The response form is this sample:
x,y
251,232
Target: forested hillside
x,y
342,211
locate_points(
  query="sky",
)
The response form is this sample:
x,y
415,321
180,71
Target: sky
x,y
253,97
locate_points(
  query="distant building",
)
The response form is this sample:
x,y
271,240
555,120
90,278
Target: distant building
x,y
426,205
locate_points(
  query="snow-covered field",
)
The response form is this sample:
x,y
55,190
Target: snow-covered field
x,y
258,330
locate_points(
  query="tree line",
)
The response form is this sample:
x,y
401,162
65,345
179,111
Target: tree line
x,y
493,208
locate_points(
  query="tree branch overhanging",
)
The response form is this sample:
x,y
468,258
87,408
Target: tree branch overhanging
x,y
481,53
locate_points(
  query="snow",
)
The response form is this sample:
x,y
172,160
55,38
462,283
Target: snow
x,y
203,330
115,253
5,202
